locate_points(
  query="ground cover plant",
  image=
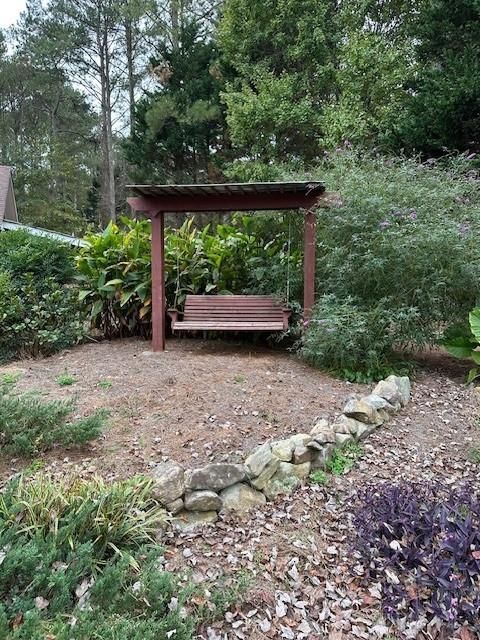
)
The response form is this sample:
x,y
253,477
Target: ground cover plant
x,y
80,561
422,543
30,425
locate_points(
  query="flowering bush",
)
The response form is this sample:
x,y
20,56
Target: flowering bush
x,y
423,544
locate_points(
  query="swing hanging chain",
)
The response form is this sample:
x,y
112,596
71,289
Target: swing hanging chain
x,y
178,279
288,255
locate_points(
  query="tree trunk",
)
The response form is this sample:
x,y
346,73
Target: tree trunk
x,y
107,189
130,72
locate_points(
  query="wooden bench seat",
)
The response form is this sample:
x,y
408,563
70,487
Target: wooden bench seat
x,y
231,313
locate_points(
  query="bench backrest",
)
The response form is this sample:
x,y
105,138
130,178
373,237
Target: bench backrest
x,y
233,308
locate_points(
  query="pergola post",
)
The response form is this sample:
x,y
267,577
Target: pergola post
x,y
309,265
158,282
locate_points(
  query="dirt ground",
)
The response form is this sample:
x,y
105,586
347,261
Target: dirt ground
x,y
210,400
199,401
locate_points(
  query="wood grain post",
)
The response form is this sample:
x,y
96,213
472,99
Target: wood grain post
x,y
158,282
309,266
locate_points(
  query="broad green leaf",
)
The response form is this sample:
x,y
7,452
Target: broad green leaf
x,y
476,357
460,346
474,318
97,307
83,294
113,282
473,374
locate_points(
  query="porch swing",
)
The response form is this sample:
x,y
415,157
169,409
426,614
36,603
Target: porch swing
x,y
233,312
226,313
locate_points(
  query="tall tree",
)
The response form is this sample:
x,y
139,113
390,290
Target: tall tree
x,y
46,134
179,128
284,52
443,111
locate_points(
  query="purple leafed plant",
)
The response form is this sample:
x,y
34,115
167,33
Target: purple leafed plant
x,y
423,544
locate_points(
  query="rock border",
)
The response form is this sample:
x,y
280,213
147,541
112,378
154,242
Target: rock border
x,y
195,496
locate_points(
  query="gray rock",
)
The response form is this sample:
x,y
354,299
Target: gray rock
x,y
169,483
361,410
241,498
379,403
319,427
404,387
364,430
395,390
202,501
322,456
174,507
276,486
350,425
343,438
188,520
287,479
322,438
283,449
300,439
302,454
215,476
258,460
267,473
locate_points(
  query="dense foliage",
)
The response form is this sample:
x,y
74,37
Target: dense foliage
x,y
30,425
397,263
422,543
39,310
115,270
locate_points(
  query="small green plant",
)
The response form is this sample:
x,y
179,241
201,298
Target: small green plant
x,y
319,477
104,384
29,425
239,379
474,455
11,377
66,379
344,458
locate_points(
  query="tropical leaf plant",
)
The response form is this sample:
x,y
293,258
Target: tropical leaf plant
x,y
465,343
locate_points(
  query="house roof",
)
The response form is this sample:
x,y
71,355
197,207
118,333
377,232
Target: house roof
x,y
8,207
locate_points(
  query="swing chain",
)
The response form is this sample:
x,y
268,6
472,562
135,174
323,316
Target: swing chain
x,y
288,255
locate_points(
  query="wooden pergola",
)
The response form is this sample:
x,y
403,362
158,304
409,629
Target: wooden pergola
x,y
156,200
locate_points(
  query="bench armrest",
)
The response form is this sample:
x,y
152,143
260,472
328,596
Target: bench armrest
x,y
286,316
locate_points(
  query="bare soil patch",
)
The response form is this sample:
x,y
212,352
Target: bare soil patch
x,y
199,401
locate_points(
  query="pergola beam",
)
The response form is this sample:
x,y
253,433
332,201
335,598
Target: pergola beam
x,y
150,206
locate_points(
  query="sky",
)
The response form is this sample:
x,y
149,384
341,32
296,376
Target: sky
x,y
9,11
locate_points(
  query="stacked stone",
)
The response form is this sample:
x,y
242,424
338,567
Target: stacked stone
x,y
196,496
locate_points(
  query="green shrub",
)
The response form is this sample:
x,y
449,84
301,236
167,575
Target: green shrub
x,y
30,425
39,310
22,253
401,257
357,343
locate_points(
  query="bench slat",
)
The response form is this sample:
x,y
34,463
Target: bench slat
x,y
231,313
